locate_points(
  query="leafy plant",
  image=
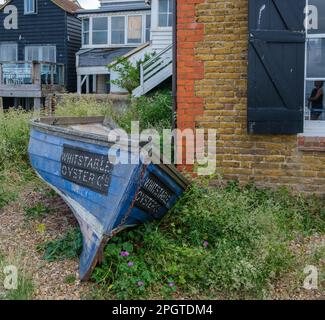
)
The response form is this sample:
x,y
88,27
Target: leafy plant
x,y
37,211
129,73
70,279
68,247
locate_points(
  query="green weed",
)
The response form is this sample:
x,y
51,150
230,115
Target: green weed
x,y
230,243
68,247
37,211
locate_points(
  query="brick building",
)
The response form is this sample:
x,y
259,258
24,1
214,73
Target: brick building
x,y
247,68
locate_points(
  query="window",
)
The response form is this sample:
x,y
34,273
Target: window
x,y
118,30
85,31
40,53
148,27
100,30
315,66
8,52
130,29
165,13
134,29
43,54
29,6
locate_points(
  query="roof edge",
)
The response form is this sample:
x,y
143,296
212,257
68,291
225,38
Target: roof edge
x,y
53,1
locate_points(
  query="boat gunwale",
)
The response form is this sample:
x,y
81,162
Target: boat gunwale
x,y
44,125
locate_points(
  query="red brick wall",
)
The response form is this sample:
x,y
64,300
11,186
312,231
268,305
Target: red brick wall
x,y
189,69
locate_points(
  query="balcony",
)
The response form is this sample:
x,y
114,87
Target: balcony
x,y
30,79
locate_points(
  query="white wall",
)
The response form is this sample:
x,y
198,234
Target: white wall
x,y
161,37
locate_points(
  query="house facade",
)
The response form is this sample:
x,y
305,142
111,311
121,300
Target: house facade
x,y
254,71
38,43
121,28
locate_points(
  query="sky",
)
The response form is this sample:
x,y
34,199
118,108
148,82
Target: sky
x,y
87,4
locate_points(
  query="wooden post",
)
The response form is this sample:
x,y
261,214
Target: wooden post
x,y
1,74
79,84
1,105
36,73
87,84
52,66
94,83
37,105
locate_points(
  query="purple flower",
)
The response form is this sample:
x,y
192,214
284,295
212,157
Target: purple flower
x,y
171,284
205,244
130,264
140,283
124,254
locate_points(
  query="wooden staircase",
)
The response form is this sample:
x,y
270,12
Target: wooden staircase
x,y
155,71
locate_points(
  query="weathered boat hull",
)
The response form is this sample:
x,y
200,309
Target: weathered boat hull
x,y
104,198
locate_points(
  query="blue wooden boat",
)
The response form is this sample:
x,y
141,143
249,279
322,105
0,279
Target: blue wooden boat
x,y
71,155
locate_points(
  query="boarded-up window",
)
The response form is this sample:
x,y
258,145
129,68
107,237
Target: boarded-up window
x,y
134,29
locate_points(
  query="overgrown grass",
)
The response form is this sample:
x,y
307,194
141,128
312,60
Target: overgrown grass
x,y
216,243
228,243
24,289
15,171
152,111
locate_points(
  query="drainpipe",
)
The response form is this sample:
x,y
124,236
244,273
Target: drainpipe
x,y
174,93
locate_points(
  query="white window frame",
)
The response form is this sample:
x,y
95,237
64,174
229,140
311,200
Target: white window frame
x,y
125,30
83,31
147,16
31,10
312,127
107,31
168,12
13,44
40,51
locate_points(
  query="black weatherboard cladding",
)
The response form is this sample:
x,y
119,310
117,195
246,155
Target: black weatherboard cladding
x,y
276,66
50,26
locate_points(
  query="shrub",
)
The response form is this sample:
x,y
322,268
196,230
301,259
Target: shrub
x,y
129,73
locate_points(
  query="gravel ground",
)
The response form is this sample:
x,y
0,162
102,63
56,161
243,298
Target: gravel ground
x,y
290,287
19,237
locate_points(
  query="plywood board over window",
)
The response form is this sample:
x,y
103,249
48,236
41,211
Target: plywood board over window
x,y
135,29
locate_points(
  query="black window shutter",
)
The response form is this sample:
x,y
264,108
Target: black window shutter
x,y
276,61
